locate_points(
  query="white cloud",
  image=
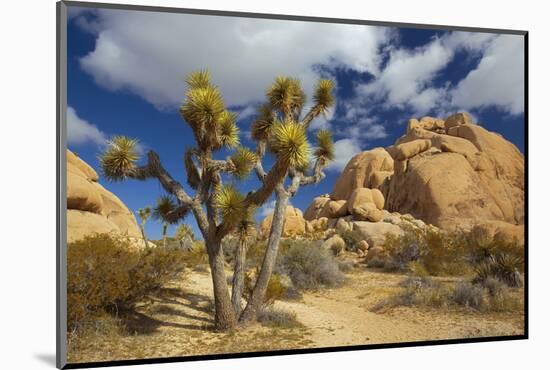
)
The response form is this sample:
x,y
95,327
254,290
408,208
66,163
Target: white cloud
x,y
149,53
266,209
407,82
407,73
498,79
344,150
80,131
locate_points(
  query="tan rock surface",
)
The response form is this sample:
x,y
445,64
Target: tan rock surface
x,y
294,223
91,208
361,172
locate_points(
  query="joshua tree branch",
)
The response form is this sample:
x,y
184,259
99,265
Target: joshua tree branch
x,y
317,175
154,169
275,177
313,113
258,167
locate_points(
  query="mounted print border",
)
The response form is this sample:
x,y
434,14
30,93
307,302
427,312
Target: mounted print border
x,y
336,230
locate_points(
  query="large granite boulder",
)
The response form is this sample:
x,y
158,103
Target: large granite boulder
x,y
365,170
471,175
93,209
294,223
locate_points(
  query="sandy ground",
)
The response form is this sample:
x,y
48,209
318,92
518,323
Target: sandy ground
x,y
179,322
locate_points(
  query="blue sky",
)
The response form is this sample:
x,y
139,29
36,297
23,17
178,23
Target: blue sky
x,y
126,73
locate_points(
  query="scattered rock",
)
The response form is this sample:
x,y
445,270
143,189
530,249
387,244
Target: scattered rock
x,y
335,244
363,246
375,232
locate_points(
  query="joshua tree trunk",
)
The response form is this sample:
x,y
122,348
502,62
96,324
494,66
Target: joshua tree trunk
x,y
238,276
143,235
258,294
164,232
225,316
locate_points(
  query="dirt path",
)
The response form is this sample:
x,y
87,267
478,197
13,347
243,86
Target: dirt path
x,y
343,316
178,322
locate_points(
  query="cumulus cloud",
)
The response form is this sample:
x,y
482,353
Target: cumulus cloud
x,y
344,150
498,79
80,131
408,80
266,209
150,53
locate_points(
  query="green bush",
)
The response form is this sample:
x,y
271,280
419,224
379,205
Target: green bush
x,y
106,273
428,251
503,267
309,266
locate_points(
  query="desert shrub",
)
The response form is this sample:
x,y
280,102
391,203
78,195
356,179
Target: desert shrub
x,y
503,267
345,266
275,290
494,296
352,239
277,317
106,274
309,266
469,295
196,257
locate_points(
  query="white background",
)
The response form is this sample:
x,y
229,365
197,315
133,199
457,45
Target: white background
x,y
27,183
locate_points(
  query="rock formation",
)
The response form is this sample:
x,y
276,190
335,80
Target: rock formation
x,y
294,223
93,209
449,173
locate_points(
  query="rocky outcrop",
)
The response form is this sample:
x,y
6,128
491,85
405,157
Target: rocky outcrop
x,y
448,172
464,176
294,223
93,209
366,170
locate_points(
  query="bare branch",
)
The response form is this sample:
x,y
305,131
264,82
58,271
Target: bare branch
x,y
154,169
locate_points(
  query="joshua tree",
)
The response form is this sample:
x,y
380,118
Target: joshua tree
x,y
144,214
217,208
243,232
280,117
164,211
185,234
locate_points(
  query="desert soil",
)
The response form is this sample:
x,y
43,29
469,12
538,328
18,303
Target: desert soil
x,y
178,322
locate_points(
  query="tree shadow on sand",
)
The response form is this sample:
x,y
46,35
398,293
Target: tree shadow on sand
x,y
193,308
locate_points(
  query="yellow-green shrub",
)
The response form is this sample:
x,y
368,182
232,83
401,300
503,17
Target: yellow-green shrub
x,y
105,273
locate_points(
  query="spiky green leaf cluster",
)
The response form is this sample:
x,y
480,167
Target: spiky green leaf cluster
x,y
286,94
243,160
228,132
325,145
198,79
204,110
118,160
184,231
144,214
262,125
166,210
203,107
230,203
246,225
288,140
323,97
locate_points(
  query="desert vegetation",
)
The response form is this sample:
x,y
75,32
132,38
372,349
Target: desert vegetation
x,y
219,208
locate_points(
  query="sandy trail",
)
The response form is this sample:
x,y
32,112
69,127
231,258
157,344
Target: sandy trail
x,y
179,322
342,316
